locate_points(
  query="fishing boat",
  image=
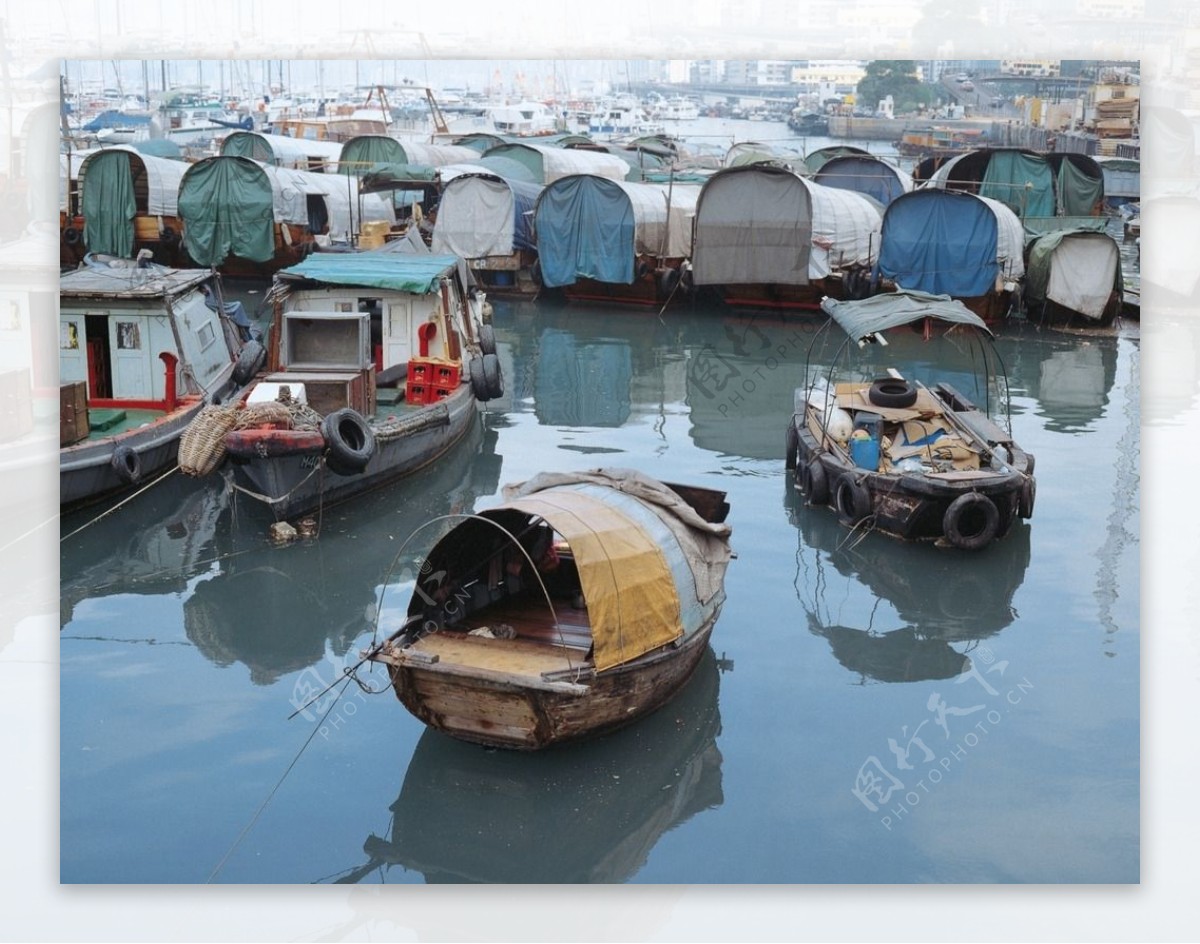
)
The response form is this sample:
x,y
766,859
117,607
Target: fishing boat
x,y
1073,276
142,350
375,363
939,141
895,455
583,602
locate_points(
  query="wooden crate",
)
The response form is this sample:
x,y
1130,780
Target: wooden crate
x,y
331,390
72,413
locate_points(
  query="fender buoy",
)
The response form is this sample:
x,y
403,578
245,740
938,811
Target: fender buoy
x,y
971,521
71,236
350,440
1027,497
851,499
814,483
479,385
892,393
127,464
487,339
791,444
492,376
250,359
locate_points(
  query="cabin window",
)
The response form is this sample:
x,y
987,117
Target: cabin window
x,y
129,336
207,336
318,214
68,338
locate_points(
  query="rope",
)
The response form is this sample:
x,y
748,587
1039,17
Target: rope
x,y
118,505
257,813
285,497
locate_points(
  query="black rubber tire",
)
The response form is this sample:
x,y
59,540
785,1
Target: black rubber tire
x,y
169,237
492,376
971,522
249,362
889,392
814,483
791,440
641,270
127,464
1027,497
71,236
852,500
479,385
487,339
349,439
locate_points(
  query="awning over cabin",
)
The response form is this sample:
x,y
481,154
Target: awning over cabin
x,y
863,318
401,272
228,208
950,243
108,204
1077,269
548,164
593,227
484,215
1078,192
360,153
864,174
763,224
279,150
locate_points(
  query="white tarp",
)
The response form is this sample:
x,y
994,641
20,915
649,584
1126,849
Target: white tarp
x,y
761,224
289,189
283,151
662,216
563,162
1010,240
475,218
1083,270
437,155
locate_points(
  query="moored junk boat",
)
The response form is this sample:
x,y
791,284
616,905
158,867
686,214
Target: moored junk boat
x,y
1073,276
581,603
376,363
917,462
142,350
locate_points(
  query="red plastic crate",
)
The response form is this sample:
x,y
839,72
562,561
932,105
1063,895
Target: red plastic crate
x,y
441,391
418,392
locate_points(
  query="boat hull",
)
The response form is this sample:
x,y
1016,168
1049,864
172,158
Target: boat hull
x,y
513,713
87,470
294,484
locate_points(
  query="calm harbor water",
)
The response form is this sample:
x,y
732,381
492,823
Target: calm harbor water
x,y
992,698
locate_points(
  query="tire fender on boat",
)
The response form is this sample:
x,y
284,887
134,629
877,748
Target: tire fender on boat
x,y
349,439
851,499
791,444
1027,496
487,339
814,483
492,376
479,385
249,360
971,521
71,236
892,393
127,464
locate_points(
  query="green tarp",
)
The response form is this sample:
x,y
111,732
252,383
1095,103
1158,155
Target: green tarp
x,y
108,205
228,209
1078,193
252,146
1022,182
359,154
417,274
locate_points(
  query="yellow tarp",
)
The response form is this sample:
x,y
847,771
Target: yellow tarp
x,y
631,597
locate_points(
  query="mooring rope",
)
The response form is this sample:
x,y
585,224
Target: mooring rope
x,y
118,505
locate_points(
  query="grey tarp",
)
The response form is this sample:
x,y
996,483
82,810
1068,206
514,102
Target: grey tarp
x,y
109,206
484,215
860,319
1076,269
358,154
227,208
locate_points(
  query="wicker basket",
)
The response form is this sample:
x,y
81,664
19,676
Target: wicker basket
x,y
202,446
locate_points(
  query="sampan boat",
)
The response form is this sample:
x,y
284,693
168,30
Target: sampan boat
x,y
580,604
917,462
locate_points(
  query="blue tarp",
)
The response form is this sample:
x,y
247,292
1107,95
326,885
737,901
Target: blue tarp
x,y
398,271
116,119
862,174
940,242
585,229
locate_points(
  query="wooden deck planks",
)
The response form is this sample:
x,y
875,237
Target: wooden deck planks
x,y
515,657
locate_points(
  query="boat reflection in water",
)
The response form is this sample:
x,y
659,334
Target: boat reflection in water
x,y
276,609
939,597
589,812
582,381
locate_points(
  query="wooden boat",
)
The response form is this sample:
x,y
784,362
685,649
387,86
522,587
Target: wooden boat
x,y
142,351
917,462
939,141
375,363
580,604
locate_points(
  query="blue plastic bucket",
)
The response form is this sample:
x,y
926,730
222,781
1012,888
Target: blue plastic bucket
x,y
865,453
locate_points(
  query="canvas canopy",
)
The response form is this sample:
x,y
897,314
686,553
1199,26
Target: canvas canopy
x,y
1077,269
864,174
860,319
229,205
68,172
360,153
401,272
1031,185
505,167
755,152
548,164
1122,177
484,215
1077,191
279,150
593,227
109,206
817,159
645,557
950,243
763,224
